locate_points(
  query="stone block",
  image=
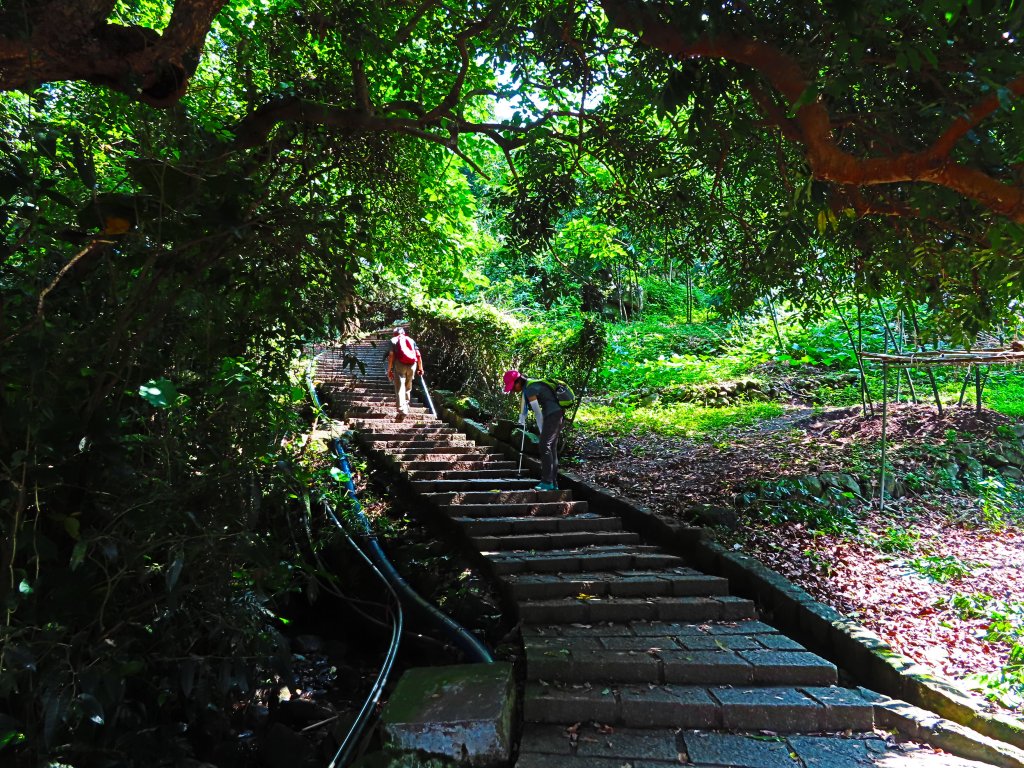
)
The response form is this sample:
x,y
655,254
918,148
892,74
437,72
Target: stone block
x,y
555,704
721,642
790,668
705,668
826,751
775,709
629,666
668,707
778,642
622,610
637,586
844,708
628,643
736,751
627,745
462,712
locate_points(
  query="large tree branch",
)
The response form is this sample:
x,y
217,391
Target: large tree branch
x,y
455,92
827,161
54,41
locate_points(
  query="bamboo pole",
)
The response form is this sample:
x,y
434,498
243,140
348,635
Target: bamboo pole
x,y
931,373
888,334
864,395
977,388
885,414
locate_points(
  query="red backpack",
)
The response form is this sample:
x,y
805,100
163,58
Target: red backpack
x,y
405,350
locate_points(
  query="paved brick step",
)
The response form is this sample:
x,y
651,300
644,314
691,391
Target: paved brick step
x,y
782,709
370,403
380,411
390,425
583,560
416,462
508,497
505,526
638,660
415,441
540,509
375,392
498,484
367,397
417,434
679,581
488,461
443,452
625,609
549,541
461,474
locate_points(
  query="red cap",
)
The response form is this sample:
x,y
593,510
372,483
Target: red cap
x,y
509,379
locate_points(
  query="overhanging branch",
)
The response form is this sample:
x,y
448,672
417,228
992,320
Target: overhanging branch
x,y
58,41
812,123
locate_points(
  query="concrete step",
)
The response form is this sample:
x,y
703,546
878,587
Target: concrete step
x,y
417,434
389,424
540,509
417,441
585,659
582,560
379,411
460,474
781,709
506,526
585,609
373,405
679,581
508,497
534,542
437,454
417,462
487,462
352,391
497,484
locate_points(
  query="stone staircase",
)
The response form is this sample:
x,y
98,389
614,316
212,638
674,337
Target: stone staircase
x,y
620,636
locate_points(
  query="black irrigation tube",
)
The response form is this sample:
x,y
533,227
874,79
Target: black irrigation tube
x,y
370,550
460,637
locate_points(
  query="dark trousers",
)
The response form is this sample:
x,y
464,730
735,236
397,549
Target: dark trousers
x,y
549,448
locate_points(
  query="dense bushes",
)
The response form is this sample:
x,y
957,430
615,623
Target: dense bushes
x,y
470,346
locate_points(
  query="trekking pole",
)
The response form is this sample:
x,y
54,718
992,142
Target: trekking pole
x,y
522,447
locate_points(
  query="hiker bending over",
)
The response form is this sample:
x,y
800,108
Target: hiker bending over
x,y
404,364
540,397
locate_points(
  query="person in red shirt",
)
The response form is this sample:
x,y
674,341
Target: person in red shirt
x,y
404,363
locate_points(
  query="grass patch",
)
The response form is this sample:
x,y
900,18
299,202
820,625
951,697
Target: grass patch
x,y
1005,393
675,420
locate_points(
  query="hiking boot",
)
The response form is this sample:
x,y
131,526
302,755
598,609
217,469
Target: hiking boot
x,y
545,487
400,417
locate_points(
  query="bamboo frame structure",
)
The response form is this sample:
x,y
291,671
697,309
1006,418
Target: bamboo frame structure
x,y
930,359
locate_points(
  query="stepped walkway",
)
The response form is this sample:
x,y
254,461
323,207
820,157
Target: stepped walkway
x,y
633,658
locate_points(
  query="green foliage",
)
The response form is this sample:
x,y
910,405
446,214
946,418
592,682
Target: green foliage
x,y
899,539
790,500
1005,627
472,345
678,419
942,568
1001,501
